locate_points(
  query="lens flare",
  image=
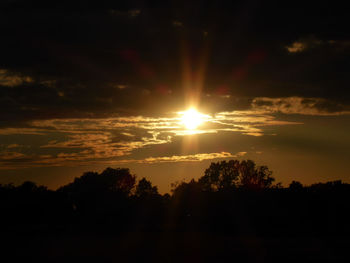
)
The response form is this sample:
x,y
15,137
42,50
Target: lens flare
x,y
191,118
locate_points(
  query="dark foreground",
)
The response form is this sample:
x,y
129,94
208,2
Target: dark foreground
x,y
173,247
105,218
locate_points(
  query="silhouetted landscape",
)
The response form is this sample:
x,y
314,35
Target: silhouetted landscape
x,y
174,131
234,211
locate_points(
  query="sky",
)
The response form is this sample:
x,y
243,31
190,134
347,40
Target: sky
x,y
86,85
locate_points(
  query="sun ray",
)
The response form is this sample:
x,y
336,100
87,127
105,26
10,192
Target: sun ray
x,y
191,118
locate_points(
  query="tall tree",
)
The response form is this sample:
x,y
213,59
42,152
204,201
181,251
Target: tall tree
x,y
227,175
255,177
110,180
145,188
220,175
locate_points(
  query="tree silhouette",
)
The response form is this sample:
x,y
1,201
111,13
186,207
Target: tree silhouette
x,y
145,188
231,198
100,192
228,175
253,177
220,175
31,187
110,180
295,186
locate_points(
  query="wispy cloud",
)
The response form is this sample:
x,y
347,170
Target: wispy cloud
x,y
14,160
10,79
11,155
22,131
299,105
304,44
14,145
311,42
192,158
296,47
65,141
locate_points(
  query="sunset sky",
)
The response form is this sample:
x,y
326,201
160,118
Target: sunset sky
x,y
86,85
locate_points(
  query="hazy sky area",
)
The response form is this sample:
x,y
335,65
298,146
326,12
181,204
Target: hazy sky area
x,y
87,85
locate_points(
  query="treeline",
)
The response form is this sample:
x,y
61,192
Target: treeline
x,y
235,197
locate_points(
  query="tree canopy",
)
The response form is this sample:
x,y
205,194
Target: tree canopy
x,y
231,174
110,180
145,188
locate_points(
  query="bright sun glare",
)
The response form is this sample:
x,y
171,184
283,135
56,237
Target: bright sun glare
x,y
191,118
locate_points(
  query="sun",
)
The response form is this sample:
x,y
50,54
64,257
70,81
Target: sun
x,y
191,118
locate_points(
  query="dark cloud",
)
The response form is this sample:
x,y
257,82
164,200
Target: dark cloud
x,y
303,106
68,58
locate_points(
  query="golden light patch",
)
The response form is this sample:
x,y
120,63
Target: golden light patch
x,y
191,118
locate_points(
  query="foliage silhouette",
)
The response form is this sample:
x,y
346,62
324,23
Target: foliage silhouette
x,y
144,188
233,197
295,186
110,180
232,174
